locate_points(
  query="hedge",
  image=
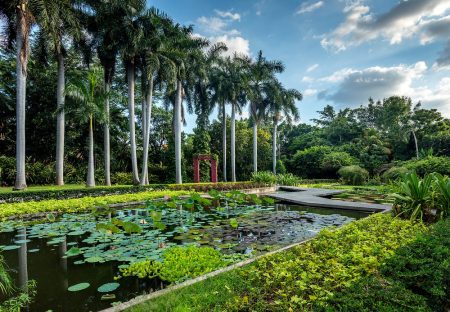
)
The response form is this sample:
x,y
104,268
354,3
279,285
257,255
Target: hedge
x,y
31,195
78,204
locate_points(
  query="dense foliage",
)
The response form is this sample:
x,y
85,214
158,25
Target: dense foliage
x,y
353,175
304,278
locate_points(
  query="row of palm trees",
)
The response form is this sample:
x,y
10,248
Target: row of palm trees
x,y
164,54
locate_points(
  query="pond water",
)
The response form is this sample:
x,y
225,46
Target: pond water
x,y
71,249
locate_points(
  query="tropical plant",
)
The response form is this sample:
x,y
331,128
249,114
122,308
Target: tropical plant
x,y
264,177
260,74
442,195
394,173
413,197
89,95
57,21
288,179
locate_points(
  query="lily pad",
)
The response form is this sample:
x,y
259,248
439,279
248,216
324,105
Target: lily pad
x,y
78,287
108,287
22,241
94,259
33,250
11,247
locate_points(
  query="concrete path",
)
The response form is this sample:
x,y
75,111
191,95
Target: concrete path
x,y
315,197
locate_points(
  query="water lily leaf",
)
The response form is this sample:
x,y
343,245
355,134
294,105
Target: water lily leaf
x,y
108,287
76,233
108,297
11,247
78,287
74,251
33,250
233,223
94,259
22,241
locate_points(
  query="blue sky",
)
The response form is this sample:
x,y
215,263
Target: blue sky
x,y
336,52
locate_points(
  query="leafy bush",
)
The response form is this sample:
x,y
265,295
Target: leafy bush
x,y
375,294
178,263
394,173
78,204
416,198
281,168
288,179
333,161
313,272
122,178
264,177
423,266
308,163
353,175
429,165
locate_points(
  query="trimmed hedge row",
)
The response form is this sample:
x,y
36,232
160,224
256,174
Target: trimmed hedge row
x,y
79,204
38,195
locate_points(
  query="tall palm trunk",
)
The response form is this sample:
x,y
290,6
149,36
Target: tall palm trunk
x,y
90,182
177,129
106,138
233,142
416,144
22,46
224,142
255,146
60,120
148,114
274,145
131,80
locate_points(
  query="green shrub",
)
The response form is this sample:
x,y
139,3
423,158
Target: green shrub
x,y
313,272
333,161
429,165
308,163
178,263
353,175
394,173
78,204
375,294
122,178
423,266
425,199
288,179
264,177
281,168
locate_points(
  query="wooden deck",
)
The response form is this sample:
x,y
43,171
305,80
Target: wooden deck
x,y
316,197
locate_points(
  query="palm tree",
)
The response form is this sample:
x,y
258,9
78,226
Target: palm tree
x,y
155,65
281,102
106,26
130,38
57,20
19,16
260,73
237,97
186,51
89,95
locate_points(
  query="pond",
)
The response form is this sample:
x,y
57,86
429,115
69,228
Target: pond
x,y
64,251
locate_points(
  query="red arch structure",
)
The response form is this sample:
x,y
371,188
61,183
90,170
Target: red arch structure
x,y
213,162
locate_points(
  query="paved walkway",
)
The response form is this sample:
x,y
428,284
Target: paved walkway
x,y
315,197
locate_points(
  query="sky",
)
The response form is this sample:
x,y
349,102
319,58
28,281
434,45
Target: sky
x,y
336,52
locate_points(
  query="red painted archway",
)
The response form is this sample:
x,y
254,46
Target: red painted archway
x,y
213,162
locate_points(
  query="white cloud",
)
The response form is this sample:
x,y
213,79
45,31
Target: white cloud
x,y
307,79
310,92
219,24
234,43
356,86
408,18
229,14
308,7
312,68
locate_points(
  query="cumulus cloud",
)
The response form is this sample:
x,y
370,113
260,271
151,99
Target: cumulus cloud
x,y
234,43
356,86
312,68
310,92
308,7
426,18
219,24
